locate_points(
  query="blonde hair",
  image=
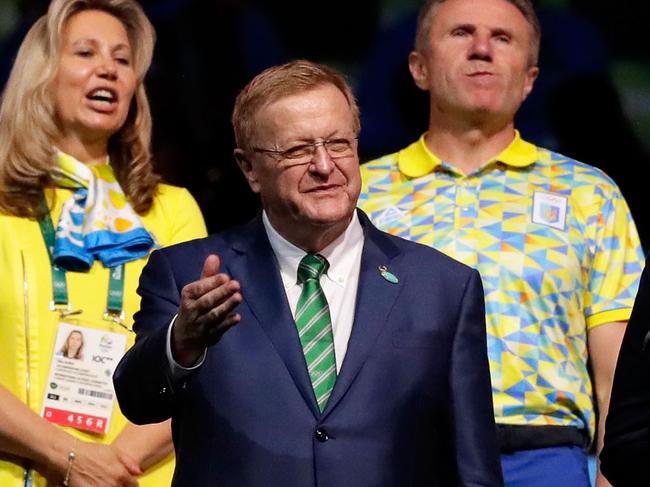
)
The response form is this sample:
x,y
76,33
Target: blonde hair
x,y
427,12
278,82
28,120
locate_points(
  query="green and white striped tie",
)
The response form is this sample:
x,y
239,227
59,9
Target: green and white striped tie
x,y
315,327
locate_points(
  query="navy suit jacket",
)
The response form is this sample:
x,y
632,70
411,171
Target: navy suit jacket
x,y
411,406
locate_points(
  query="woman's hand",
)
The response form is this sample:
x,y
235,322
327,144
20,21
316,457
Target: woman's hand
x,y
96,465
25,434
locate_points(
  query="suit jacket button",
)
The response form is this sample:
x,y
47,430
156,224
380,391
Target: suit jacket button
x,y
321,435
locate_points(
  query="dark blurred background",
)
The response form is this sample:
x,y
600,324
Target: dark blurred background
x,y
591,101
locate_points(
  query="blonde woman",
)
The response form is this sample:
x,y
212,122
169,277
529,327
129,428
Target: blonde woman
x,y
80,211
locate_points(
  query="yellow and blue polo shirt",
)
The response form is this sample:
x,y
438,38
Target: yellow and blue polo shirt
x,y
557,250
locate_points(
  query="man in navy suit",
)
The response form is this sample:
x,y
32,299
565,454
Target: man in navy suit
x,y
369,368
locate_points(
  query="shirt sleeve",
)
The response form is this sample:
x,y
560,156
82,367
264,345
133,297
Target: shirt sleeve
x,y
617,260
178,372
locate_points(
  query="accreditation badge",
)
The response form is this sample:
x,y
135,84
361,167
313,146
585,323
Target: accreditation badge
x,y
79,390
550,209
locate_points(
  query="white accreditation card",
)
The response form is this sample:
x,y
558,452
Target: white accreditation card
x,y
79,390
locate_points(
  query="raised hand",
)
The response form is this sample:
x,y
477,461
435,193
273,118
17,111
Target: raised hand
x,y
206,312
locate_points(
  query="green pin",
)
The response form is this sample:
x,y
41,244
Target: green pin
x,y
386,274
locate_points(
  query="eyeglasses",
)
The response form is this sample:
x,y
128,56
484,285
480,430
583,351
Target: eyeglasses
x,y
304,153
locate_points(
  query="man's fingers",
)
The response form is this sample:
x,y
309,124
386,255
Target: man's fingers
x,y
224,325
208,295
202,320
216,297
211,266
195,290
224,308
207,305
231,320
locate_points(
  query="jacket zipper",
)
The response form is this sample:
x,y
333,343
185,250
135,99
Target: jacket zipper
x,y
28,381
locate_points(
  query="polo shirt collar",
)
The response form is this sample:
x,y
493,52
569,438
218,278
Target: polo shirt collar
x,y
417,160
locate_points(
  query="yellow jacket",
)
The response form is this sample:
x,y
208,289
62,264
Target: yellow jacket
x,y
28,327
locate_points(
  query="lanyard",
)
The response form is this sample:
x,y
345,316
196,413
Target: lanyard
x,y
60,302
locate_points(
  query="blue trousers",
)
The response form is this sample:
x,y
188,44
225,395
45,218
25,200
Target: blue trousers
x,y
564,466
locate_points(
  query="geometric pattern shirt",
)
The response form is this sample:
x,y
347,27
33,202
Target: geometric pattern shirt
x,y
558,254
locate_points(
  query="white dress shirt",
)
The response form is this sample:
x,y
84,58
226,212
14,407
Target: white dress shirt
x,y
339,284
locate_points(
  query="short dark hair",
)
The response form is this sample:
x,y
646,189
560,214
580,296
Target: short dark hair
x,y
524,6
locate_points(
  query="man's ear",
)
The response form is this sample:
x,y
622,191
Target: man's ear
x,y
531,76
418,69
247,167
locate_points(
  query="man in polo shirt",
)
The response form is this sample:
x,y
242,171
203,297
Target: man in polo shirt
x,y
552,237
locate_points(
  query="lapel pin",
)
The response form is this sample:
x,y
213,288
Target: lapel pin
x,y
386,274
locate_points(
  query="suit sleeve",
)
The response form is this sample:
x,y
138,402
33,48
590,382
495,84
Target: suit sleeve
x,y
477,453
142,384
625,459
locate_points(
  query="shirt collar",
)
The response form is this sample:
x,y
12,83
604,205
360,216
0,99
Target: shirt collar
x,y
417,160
340,253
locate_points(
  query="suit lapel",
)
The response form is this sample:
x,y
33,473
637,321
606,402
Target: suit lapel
x,y
375,298
257,270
